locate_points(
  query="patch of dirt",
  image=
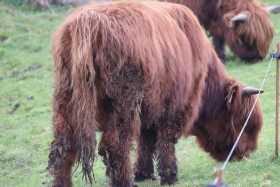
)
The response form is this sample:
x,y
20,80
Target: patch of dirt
x,y
28,30
14,73
26,173
14,109
19,165
29,108
28,156
3,38
47,183
2,174
30,98
78,2
32,67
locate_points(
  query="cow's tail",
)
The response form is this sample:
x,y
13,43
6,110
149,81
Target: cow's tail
x,y
84,32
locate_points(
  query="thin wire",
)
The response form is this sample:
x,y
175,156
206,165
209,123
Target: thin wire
x,y
227,160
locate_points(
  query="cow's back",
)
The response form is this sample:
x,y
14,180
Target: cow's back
x,y
163,42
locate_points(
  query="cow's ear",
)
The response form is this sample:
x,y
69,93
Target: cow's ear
x,y
231,94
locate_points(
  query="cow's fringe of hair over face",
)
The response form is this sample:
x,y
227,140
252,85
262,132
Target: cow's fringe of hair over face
x,y
256,32
221,120
248,40
216,138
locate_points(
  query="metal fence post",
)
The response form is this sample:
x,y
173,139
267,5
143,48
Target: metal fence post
x,y
277,101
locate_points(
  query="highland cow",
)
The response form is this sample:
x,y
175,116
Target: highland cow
x,y
143,71
244,25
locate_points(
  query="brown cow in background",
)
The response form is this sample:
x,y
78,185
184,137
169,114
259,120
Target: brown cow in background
x,y
145,71
244,25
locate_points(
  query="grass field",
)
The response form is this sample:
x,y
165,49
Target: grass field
x,y
26,80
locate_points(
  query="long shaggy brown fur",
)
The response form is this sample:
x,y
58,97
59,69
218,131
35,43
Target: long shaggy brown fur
x,y
135,70
248,40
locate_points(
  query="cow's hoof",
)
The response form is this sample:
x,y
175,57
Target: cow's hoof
x,y
123,184
169,180
138,177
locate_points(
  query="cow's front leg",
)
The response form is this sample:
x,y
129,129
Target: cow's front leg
x,y
219,44
144,168
167,166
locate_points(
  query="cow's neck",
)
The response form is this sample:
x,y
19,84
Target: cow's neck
x,y
214,95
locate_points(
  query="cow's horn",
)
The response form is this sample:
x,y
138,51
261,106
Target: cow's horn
x,y
251,91
274,9
238,17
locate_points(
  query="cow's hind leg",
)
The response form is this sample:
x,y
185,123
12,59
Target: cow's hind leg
x,y
119,122
61,159
144,168
62,155
167,166
115,145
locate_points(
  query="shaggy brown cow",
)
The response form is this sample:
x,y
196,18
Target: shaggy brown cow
x,y
144,71
244,25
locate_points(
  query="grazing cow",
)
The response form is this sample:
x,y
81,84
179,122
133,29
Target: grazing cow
x,y
244,25
143,71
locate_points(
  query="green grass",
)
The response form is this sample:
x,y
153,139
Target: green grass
x,y
26,80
